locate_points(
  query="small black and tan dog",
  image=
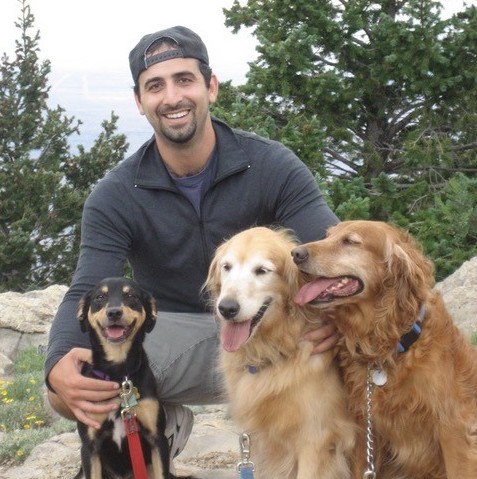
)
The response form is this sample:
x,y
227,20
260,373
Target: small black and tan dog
x,y
117,314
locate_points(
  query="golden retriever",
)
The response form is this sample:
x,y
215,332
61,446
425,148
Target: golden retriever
x,y
401,347
290,402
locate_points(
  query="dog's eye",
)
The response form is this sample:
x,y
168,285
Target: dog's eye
x,y
226,266
350,241
99,300
261,270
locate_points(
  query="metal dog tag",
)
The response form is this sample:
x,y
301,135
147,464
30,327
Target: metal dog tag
x,y
128,402
129,394
379,377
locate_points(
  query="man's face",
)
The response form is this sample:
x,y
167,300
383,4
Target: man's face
x,y
175,100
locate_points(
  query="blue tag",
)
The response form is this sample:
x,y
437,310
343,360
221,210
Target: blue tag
x,y
246,472
128,402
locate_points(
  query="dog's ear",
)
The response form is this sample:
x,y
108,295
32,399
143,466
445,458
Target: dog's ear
x,y
292,276
281,254
149,304
212,283
411,273
82,313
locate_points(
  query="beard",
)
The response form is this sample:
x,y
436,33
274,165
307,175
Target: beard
x,y
177,134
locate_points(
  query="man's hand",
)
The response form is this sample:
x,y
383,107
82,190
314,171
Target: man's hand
x,y
76,395
324,338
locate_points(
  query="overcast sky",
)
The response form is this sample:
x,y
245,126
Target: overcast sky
x,y
98,34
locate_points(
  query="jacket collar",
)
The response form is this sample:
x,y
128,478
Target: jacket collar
x,y
152,173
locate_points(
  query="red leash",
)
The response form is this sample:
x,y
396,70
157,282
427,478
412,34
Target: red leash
x,y
134,443
128,401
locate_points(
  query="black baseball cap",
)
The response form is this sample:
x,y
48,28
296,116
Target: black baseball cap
x,y
189,45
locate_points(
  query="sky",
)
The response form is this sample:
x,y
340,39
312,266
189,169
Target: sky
x,y
99,34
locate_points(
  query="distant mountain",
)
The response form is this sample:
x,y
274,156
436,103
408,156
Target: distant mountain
x,y
91,96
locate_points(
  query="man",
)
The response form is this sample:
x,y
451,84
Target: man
x,y
165,210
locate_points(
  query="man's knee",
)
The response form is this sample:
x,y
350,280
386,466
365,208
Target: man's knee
x,y
59,406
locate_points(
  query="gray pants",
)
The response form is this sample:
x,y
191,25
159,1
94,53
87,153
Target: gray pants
x,y
182,350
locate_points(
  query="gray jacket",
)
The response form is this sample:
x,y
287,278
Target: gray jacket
x,y
136,213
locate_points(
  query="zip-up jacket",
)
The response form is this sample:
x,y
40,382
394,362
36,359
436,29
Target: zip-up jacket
x,y
137,214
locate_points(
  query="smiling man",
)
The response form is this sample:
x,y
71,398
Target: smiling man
x,y
164,210
174,93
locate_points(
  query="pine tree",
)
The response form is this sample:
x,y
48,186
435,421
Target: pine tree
x,y
42,189
379,98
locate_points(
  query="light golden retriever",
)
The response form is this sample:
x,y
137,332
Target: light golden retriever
x,y
290,402
375,282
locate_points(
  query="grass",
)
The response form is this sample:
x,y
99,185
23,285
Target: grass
x,y
24,418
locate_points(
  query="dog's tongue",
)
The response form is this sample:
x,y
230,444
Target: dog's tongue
x,y
313,289
114,332
233,335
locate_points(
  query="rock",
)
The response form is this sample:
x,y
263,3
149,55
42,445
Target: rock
x,y
6,365
459,293
211,452
14,341
30,312
213,445
57,458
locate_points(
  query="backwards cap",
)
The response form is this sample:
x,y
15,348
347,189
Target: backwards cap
x,y
189,45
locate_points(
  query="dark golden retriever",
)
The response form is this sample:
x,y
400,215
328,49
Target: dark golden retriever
x,y
290,402
401,354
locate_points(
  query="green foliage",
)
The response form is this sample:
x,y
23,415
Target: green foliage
x,y
388,91
239,107
22,409
448,224
349,199
43,185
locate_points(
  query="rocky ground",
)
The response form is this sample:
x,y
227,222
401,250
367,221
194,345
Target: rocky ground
x,y
212,452
213,448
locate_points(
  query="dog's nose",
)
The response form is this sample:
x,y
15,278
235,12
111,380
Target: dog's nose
x,y
229,308
300,254
114,314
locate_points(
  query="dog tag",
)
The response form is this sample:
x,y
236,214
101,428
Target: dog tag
x,y
128,401
129,395
379,377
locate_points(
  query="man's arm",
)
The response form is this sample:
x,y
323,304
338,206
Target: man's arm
x,y
103,253
300,204
302,208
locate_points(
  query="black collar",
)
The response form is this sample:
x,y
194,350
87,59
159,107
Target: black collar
x,y
408,339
